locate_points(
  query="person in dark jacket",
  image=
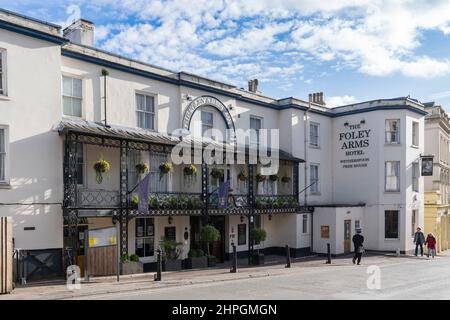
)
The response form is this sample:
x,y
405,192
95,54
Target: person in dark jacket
x,y
419,240
358,241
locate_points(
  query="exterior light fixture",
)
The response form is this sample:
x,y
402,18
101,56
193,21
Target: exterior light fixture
x,y
242,219
362,121
170,219
270,217
346,124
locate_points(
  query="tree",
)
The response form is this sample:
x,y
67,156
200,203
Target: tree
x,y
209,234
258,235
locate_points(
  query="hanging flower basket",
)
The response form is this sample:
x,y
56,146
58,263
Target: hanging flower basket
x,y
141,168
101,166
273,177
260,178
286,179
165,168
190,170
243,175
216,173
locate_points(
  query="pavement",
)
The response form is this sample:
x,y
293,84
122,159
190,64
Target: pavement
x,y
404,277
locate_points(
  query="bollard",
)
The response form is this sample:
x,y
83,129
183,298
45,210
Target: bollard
x,y
234,262
288,257
158,265
328,254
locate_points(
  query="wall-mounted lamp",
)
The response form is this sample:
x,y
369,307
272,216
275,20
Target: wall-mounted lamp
x,y
230,106
270,217
187,97
346,124
170,219
362,121
186,233
242,218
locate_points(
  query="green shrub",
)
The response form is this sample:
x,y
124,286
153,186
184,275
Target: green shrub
x,y
209,234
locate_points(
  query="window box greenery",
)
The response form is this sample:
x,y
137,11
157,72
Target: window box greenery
x,y
196,259
209,234
258,235
171,254
101,166
273,177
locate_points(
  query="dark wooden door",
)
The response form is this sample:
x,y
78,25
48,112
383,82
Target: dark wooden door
x,y
347,236
218,247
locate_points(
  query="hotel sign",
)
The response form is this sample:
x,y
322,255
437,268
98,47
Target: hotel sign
x,y
353,142
427,165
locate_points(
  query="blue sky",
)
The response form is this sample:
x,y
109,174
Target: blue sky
x,y
352,50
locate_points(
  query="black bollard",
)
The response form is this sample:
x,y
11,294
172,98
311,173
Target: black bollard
x,y
328,254
234,263
288,257
158,265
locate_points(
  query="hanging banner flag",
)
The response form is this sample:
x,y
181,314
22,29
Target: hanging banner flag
x,y
143,195
223,195
427,165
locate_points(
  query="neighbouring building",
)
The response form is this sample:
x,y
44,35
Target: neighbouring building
x,y
437,187
340,168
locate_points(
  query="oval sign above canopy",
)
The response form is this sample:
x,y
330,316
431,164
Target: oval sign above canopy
x,y
207,101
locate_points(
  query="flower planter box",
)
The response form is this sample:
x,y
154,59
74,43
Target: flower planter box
x,y
173,265
132,267
212,261
258,259
196,263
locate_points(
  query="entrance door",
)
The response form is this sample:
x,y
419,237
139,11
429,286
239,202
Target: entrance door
x,y
347,236
218,247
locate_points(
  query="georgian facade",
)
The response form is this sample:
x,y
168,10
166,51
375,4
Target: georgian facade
x,y
66,105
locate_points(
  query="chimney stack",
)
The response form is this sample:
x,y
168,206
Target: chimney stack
x,y
80,32
253,86
317,98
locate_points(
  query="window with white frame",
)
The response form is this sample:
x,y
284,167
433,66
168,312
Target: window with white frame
x,y
305,223
357,224
392,131
158,183
145,111
415,176
3,150
255,127
314,134
145,237
415,133
207,123
392,178
314,178
72,96
3,72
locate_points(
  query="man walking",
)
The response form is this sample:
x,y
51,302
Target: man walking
x,y
358,241
419,240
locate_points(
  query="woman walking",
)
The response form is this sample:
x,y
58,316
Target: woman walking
x,y
431,245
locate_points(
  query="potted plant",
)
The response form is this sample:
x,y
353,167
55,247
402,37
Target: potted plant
x,y
216,173
196,259
258,235
131,264
141,168
286,179
101,166
273,177
209,234
243,175
165,168
171,253
190,170
260,178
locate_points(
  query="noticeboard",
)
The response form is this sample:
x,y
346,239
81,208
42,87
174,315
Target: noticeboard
x,y
102,237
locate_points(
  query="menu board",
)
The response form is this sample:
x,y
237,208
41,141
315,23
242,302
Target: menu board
x,y
102,237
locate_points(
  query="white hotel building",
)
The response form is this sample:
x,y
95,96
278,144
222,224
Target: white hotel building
x,y
362,159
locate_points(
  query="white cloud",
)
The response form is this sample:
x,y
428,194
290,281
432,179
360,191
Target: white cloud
x,y
234,40
337,101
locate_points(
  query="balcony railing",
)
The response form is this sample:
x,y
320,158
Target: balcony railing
x,y
97,198
171,201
